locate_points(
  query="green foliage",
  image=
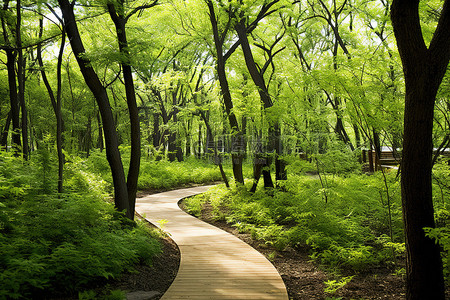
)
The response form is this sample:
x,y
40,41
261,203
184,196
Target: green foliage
x,y
156,175
111,295
334,285
442,237
441,195
60,244
338,159
350,231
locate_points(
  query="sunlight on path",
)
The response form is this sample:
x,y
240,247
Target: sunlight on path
x,y
214,264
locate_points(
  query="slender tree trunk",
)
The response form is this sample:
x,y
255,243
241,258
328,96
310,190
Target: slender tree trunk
x,y
21,63
56,102
172,141
14,101
424,69
340,128
199,143
58,114
156,135
100,132
280,164
188,138
87,138
377,147
5,132
101,96
274,129
217,158
237,155
120,21
357,135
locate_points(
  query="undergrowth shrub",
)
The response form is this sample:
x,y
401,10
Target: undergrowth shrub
x,y
158,175
155,174
61,244
339,159
441,195
349,231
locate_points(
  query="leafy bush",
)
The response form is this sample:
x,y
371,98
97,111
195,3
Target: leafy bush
x,y
157,175
441,194
339,159
62,243
442,237
349,231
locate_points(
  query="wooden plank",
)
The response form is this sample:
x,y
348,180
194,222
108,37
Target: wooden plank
x,y
214,264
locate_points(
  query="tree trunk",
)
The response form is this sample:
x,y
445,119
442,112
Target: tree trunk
x,y
156,136
14,101
423,69
377,148
258,79
236,156
188,138
100,132
357,135
135,157
21,63
4,142
87,139
217,158
56,102
280,164
101,96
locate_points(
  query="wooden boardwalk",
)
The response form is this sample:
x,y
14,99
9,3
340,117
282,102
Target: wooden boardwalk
x,y
214,264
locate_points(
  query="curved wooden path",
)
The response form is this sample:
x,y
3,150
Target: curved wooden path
x,y
214,264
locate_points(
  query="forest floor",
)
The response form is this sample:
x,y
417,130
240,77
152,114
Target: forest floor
x,y
155,279
303,279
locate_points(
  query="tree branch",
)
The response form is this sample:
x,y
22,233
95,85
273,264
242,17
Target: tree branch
x,y
140,9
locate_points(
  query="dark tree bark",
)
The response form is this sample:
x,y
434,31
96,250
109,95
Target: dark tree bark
x,y
21,63
56,101
257,76
237,155
173,149
217,157
377,147
13,97
120,19
156,136
101,96
357,135
424,69
4,141
11,56
100,144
